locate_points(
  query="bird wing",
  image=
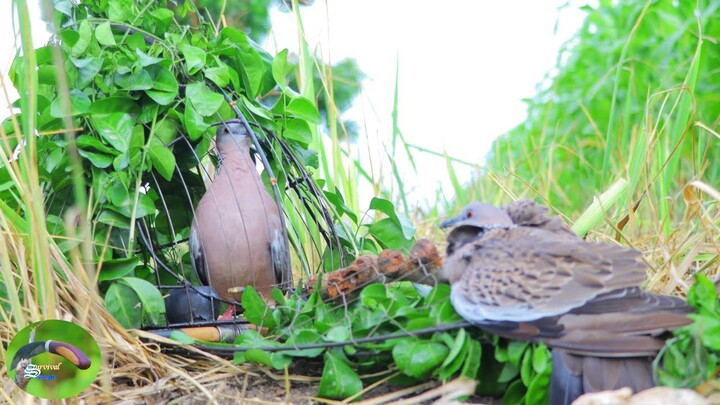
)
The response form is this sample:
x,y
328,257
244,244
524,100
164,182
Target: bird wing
x,y
280,254
531,214
197,259
523,274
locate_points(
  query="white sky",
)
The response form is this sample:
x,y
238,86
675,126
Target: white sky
x,y
465,66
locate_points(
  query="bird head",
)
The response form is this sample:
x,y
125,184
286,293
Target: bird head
x,y
231,134
480,215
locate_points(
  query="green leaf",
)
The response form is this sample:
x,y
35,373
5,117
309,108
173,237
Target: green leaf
x,y
446,314
113,219
336,199
253,67
703,296
275,360
542,359
277,296
305,337
99,160
280,70
219,75
79,104
457,357
387,208
123,202
508,373
163,17
162,160
384,206
339,380
114,269
115,104
139,80
456,347
526,370
389,234
418,359
538,390
119,10
194,123
252,338
166,130
363,320
54,158
516,349
153,305
205,101
708,329
256,310
123,303
304,109
515,394
373,294
472,364
115,129
421,323
88,69
147,60
437,296
194,58
85,32
165,86
338,334
136,147
104,34
298,130
256,109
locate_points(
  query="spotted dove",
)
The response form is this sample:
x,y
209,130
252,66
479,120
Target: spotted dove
x,y
237,238
520,274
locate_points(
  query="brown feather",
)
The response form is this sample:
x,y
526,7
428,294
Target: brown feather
x,y
235,224
537,281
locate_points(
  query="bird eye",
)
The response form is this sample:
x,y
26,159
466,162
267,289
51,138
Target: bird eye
x,y
469,213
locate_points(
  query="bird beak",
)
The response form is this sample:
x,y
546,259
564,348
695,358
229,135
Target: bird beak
x,y
459,220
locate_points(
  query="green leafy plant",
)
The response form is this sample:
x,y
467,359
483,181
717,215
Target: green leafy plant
x,y
421,337
142,93
692,356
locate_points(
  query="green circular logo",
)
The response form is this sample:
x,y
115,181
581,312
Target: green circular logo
x,y
53,359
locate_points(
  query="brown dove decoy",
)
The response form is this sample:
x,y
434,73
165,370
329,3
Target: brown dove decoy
x,y
529,279
237,238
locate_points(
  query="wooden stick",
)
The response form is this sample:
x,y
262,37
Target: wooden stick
x,y
421,266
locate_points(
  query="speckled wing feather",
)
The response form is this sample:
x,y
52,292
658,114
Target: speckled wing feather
x,y
531,214
523,274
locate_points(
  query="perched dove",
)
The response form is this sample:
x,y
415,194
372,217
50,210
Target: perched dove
x,y
237,238
517,273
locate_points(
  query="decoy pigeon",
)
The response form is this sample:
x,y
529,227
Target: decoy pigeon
x,y
237,238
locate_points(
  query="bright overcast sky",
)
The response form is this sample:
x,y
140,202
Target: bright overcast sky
x,y
465,66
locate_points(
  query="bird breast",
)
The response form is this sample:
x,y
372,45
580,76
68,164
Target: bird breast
x,y
234,225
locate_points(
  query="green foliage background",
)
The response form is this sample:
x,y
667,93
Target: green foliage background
x,y
624,102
